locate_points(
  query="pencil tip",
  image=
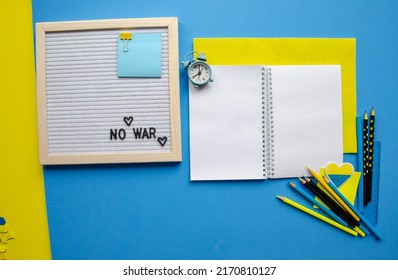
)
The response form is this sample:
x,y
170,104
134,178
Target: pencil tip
x,y
373,112
292,185
280,197
310,169
365,116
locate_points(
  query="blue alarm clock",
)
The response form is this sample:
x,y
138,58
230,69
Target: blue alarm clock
x,y
199,72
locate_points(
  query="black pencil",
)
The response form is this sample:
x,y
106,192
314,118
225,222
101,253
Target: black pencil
x,y
332,204
328,201
370,158
365,158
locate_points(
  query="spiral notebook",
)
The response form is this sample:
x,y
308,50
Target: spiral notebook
x,y
260,122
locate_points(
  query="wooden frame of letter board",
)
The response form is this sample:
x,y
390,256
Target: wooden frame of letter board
x,y
174,154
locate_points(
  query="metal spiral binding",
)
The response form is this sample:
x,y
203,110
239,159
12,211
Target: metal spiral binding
x,y
270,161
263,121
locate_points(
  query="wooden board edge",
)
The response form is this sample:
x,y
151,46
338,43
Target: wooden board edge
x,y
41,92
110,158
106,24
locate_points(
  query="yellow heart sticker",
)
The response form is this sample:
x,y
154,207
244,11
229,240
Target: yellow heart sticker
x,y
345,168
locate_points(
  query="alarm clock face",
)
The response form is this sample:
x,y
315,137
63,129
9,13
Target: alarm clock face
x,y
199,73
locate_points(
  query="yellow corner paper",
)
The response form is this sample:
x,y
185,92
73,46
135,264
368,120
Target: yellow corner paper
x,y
349,188
293,51
22,197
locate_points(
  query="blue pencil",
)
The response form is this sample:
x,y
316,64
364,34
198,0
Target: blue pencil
x,y
362,218
317,203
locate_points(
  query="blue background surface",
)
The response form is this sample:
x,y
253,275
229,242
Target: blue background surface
x,y
153,211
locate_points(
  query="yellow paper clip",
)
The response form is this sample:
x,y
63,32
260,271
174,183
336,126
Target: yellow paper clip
x,y
126,37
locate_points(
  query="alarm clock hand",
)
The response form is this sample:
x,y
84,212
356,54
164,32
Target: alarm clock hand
x,y
199,73
195,75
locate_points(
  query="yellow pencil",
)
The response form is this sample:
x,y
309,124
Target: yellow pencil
x,y
317,215
333,193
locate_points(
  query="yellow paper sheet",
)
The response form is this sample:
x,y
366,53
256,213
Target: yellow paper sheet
x,y
350,187
22,198
293,51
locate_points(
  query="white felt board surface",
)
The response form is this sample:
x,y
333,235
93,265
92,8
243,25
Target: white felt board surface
x,y
87,114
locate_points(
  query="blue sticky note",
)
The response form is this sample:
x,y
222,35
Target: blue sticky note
x,y
143,58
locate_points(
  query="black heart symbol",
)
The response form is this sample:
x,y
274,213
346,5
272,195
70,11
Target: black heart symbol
x,y
162,140
128,120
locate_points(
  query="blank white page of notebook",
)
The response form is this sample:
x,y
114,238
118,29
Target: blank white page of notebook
x,y
307,114
225,125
